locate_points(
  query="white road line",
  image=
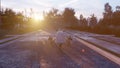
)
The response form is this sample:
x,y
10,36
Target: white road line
x,y
8,43
7,39
102,52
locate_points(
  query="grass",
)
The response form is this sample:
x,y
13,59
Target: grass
x,y
8,40
3,37
3,34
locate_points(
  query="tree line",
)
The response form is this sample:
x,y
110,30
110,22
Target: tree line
x,y
11,20
109,24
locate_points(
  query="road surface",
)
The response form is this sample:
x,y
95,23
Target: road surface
x,y
34,51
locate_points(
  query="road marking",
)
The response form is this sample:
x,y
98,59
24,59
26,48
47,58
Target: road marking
x,y
102,52
33,38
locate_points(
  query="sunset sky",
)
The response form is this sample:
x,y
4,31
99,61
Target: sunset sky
x,y
85,7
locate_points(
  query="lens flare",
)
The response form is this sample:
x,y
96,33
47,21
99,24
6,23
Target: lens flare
x,y
37,17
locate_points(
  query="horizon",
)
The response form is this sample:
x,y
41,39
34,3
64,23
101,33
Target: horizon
x,y
80,7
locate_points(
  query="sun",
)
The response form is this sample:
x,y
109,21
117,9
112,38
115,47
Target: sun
x,y
37,17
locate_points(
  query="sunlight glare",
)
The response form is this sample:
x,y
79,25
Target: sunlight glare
x,y
37,17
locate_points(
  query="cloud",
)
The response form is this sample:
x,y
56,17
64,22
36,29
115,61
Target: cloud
x,y
44,4
25,3
68,3
85,7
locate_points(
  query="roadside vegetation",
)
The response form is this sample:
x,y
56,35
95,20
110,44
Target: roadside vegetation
x,y
17,22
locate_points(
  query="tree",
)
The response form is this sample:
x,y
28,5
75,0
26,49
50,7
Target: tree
x,y
83,21
69,17
107,15
8,18
52,18
81,18
93,21
108,11
11,19
117,8
19,19
116,17
51,15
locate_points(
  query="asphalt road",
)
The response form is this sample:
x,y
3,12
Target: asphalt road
x,y
34,51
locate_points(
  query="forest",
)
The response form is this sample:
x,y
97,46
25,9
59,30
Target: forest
x,y
109,24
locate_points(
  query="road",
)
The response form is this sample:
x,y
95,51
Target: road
x,y
34,51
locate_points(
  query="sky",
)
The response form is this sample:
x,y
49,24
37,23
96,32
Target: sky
x,y
85,7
